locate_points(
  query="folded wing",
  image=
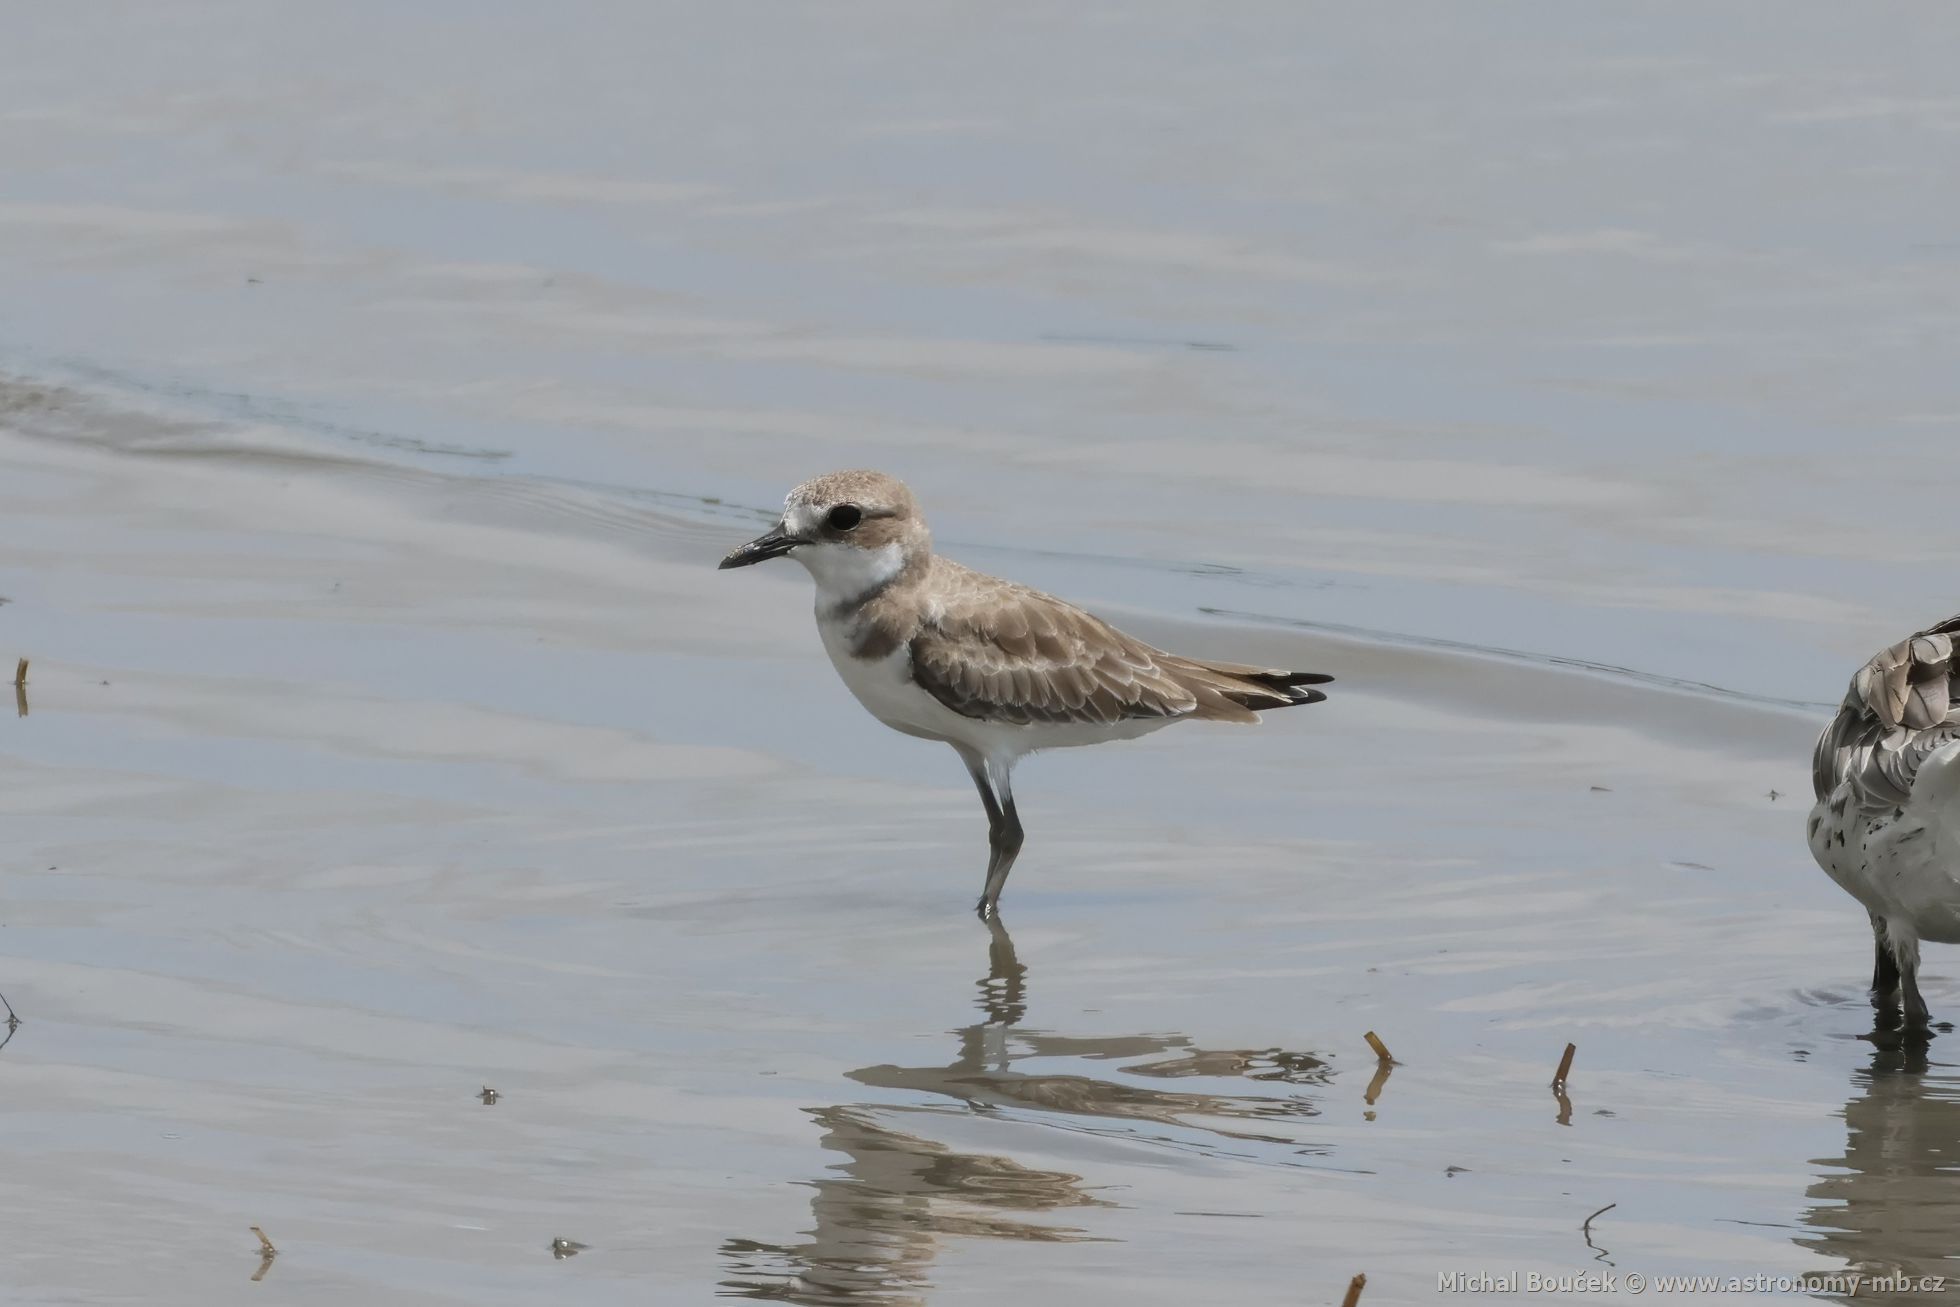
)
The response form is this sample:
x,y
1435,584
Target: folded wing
x,y
1004,653
1903,706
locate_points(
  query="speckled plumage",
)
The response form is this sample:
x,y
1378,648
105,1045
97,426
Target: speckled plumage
x,y
1886,825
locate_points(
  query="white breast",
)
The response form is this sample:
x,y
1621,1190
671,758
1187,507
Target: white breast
x,y
884,685
1903,865
844,574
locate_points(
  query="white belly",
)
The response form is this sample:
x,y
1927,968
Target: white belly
x,y
1902,865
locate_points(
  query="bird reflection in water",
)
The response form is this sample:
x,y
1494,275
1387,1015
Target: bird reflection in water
x,y
1891,1205
880,1215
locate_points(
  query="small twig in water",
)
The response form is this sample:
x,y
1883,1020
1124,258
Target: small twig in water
x,y
1355,1286
1381,1049
13,1022
266,1253
1586,1229
20,672
1558,1085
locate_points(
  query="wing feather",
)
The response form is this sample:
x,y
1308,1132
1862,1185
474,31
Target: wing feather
x,y
1001,652
1900,710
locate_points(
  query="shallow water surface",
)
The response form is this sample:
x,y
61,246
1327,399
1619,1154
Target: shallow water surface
x,y
378,389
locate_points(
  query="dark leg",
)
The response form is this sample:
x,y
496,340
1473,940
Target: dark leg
x,y
1005,845
1904,954
1919,1022
1885,970
1003,832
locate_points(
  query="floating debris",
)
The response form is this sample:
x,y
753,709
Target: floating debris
x,y
1355,1286
1378,1083
1585,1229
1383,1065
266,1253
1558,1085
1564,1066
489,1096
563,1248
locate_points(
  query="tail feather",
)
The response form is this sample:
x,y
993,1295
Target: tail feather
x,y
1290,686
1256,689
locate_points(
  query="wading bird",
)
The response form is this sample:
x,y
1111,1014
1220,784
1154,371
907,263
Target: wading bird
x,y
1887,821
996,670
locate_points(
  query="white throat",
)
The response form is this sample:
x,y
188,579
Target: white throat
x,y
845,573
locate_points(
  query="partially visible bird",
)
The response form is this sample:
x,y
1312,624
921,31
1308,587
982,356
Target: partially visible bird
x,y
938,651
1887,821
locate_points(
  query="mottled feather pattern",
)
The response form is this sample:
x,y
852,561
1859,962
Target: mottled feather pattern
x,y
1903,706
998,651
940,652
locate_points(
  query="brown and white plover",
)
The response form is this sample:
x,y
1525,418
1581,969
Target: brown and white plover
x,y
938,651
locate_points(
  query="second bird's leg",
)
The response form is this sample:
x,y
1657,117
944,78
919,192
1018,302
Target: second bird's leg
x,y
1885,970
1003,832
1919,1022
1904,948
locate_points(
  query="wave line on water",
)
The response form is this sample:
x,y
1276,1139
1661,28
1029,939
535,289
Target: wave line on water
x,y
1633,675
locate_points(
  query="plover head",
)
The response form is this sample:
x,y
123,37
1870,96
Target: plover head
x,y
854,531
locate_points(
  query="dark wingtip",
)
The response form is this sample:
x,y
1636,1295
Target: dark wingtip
x,y
1279,680
1289,688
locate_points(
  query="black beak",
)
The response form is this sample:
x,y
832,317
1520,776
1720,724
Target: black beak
x,y
770,544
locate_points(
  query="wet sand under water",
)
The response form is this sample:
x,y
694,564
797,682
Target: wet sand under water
x,y
347,791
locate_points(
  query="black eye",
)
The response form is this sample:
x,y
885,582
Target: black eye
x,y
844,517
